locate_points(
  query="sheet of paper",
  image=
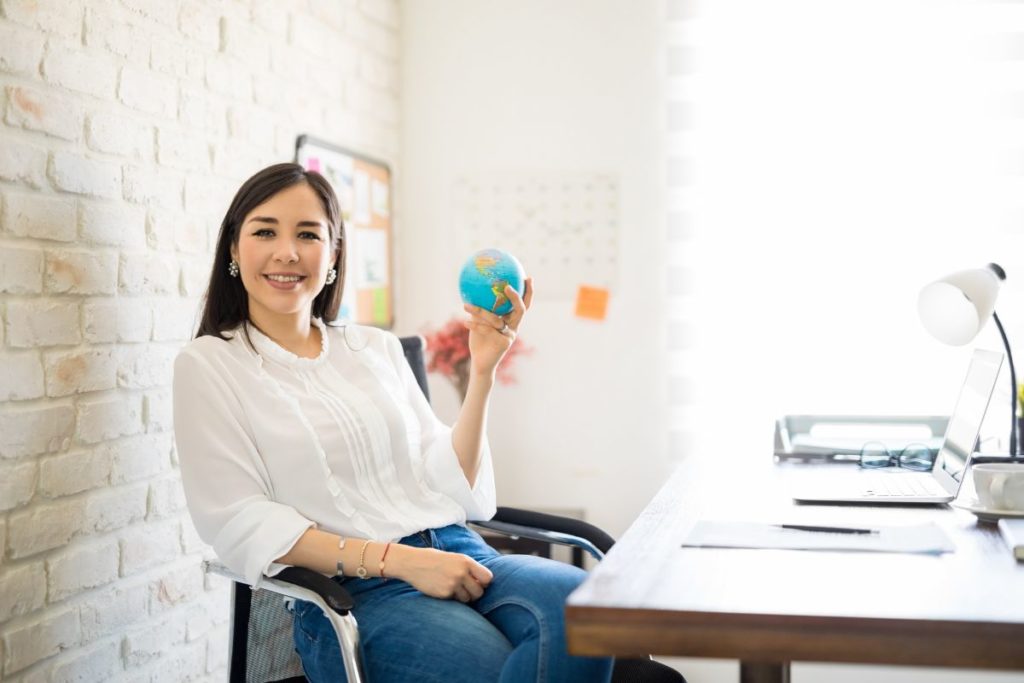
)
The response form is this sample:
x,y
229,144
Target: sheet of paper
x,y
379,198
380,307
370,257
361,191
592,302
918,538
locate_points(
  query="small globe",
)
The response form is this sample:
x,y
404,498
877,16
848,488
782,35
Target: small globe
x,y
484,276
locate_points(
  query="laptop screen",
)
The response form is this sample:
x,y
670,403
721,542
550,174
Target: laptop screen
x,y
969,413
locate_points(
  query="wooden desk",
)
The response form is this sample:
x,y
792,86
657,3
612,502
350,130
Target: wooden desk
x,y
768,608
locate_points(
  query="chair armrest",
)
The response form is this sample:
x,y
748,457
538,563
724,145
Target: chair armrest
x,y
551,529
336,597
297,582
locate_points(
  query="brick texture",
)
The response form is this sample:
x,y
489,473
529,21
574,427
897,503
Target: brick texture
x,y
81,566
24,589
127,126
42,111
21,271
41,217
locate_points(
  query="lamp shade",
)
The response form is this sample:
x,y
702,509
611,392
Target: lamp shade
x,y
956,307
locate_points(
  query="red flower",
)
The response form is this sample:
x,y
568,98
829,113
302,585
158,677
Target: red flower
x,y
448,355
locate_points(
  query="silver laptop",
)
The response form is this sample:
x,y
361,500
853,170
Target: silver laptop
x,y
900,485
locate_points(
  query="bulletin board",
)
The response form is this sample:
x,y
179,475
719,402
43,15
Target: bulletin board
x,y
363,186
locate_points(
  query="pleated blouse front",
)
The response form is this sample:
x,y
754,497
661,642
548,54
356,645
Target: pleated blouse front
x,y
271,444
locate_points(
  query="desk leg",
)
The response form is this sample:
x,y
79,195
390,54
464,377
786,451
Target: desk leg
x,y
761,672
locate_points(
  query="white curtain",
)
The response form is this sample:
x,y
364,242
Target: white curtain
x,y
825,161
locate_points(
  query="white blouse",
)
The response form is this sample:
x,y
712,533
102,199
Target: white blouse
x,y
271,444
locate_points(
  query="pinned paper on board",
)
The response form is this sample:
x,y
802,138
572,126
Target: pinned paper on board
x,y
371,258
381,309
380,198
592,302
361,188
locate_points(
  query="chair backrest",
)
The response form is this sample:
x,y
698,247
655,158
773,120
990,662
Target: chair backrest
x,y
414,347
262,645
269,647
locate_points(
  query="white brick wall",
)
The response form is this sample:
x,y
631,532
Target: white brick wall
x,y
21,271
72,472
23,163
21,50
44,635
24,590
17,483
32,215
81,566
87,72
22,377
73,172
94,663
125,128
35,109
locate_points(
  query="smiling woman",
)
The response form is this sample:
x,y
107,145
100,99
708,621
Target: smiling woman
x,y
297,448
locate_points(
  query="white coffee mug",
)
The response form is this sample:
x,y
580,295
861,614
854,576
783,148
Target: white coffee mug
x,y
1000,486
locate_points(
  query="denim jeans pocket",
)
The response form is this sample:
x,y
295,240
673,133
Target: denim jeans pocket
x,y
420,539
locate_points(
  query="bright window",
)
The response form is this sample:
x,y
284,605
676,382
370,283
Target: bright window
x,y
827,160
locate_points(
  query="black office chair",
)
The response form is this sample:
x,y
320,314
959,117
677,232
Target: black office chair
x,y
262,649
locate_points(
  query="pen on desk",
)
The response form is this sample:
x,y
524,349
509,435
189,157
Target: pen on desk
x,y
827,529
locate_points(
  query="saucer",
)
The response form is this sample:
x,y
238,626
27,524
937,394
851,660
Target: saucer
x,y
988,514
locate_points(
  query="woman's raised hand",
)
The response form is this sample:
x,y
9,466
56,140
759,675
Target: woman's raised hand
x,y
491,335
441,574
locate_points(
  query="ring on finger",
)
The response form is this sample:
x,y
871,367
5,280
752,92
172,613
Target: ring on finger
x,y
504,326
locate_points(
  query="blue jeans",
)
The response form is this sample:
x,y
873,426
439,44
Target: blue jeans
x,y
514,632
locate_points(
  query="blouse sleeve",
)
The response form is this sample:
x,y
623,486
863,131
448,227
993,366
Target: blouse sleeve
x,y
226,484
444,473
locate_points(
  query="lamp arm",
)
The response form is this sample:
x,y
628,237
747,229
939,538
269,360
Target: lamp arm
x,y
1013,389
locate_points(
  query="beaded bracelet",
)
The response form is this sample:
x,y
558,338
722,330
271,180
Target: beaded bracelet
x,y
361,569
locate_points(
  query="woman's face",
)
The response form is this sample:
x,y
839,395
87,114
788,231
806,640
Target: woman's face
x,y
284,253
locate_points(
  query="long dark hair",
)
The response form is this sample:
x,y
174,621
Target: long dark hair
x,y
227,304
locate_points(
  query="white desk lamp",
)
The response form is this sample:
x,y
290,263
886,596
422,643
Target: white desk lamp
x,y
956,307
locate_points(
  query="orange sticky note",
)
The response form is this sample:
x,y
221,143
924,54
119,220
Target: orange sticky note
x,y
592,302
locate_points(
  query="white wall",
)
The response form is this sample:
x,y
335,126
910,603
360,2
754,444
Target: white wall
x,y
538,86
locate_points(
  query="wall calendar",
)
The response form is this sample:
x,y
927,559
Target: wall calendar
x,y
563,227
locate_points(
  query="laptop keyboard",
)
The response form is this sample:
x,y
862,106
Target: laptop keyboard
x,y
886,485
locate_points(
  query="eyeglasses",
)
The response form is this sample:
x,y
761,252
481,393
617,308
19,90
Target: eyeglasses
x,y
915,456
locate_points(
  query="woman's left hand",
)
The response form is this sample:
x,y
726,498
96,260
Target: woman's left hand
x,y
491,335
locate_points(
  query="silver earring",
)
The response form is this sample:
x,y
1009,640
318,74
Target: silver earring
x,y
233,268
332,275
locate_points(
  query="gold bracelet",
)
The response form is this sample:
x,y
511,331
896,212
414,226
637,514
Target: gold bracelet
x,y
361,569
382,558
